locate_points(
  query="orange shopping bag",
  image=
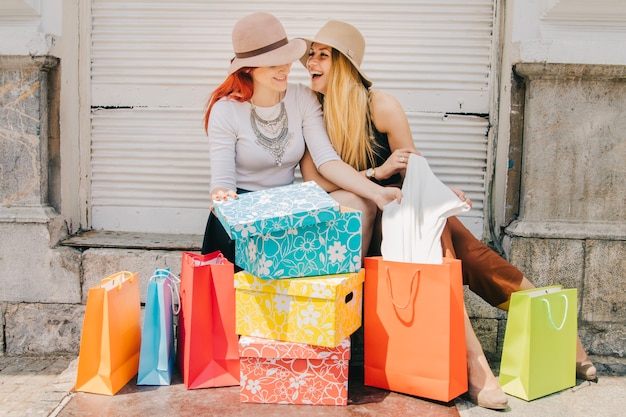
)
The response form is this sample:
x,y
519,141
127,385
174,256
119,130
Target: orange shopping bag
x,y
208,346
414,328
111,337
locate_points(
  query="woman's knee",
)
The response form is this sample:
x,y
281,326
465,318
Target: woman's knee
x,y
367,207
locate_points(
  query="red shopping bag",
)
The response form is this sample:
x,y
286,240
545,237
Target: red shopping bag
x,y
414,328
208,351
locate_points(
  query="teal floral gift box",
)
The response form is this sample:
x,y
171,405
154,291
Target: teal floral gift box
x,y
331,247
292,231
278,208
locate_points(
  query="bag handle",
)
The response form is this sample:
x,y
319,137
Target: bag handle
x,y
557,328
172,282
411,294
218,260
120,277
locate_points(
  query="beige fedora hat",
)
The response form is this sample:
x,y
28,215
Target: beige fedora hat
x,y
259,40
343,37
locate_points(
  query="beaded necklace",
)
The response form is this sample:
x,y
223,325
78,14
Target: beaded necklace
x,y
278,128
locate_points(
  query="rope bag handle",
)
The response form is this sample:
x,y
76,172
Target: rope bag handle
x,y
172,282
118,278
557,328
415,277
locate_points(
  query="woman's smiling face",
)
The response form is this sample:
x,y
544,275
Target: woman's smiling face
x,y
319,64
273,78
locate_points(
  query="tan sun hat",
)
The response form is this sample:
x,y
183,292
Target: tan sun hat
x,y
343,37
259,40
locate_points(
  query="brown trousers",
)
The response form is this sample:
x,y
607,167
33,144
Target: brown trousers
x,y
486,272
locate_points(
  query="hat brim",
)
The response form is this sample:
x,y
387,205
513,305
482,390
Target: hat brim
x,y
280,56
304,58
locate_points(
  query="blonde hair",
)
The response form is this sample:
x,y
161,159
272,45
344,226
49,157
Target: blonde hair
x,y
347,114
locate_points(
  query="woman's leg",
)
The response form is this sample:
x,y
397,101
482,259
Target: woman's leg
x,y
368,211
486,273
494,279
484,389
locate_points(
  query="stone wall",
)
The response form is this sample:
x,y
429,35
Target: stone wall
x,y
36,280
571,225
53,326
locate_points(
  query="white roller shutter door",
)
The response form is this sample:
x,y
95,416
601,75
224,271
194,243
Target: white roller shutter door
x,y
154,63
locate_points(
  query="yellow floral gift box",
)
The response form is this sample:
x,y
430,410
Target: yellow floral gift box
x,y
320,311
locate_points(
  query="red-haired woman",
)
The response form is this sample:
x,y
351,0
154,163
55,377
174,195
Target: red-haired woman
x,y
259,125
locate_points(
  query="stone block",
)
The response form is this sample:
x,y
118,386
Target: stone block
x,y
21,148
23,144
501,332
573,144
550,261
487,333
604,338
3,307
101,263
30,271
39,329
479,308
604,298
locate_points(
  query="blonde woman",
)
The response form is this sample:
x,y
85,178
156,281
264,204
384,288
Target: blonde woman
x,y
370,131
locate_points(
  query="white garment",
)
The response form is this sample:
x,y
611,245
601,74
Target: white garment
x,y
412,229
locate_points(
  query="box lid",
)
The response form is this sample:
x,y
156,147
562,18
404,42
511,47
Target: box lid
x,y
278,208
328,287
256,347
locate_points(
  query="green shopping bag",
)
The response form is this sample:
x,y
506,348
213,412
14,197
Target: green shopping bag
x,y
539,350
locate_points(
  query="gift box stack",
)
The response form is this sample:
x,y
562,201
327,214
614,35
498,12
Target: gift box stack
x,y
299,295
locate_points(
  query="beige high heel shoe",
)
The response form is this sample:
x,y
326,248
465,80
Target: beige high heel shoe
x,y
494,399
586,370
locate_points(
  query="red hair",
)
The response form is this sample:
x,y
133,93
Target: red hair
x,y
237,86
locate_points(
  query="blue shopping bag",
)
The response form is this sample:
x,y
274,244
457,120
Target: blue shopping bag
x,y
157,358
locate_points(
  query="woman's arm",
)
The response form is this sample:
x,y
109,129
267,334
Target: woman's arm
x,y
342,176
310,173
333,168
221,131
389,118
347,178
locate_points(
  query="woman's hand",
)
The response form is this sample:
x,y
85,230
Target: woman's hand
x,y
461,195
386,195
222,194
396,163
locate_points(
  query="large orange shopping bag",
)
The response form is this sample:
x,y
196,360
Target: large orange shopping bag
x,y
111,336
414,328
208,350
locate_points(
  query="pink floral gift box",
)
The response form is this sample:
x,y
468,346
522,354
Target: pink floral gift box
x,y
277,372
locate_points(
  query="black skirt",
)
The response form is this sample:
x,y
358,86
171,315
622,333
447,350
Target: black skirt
x,y
216,238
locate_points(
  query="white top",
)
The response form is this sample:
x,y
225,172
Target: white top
x,y
238,162
412,229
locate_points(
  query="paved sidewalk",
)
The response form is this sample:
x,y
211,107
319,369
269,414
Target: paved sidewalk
x,y
42,386
35,386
